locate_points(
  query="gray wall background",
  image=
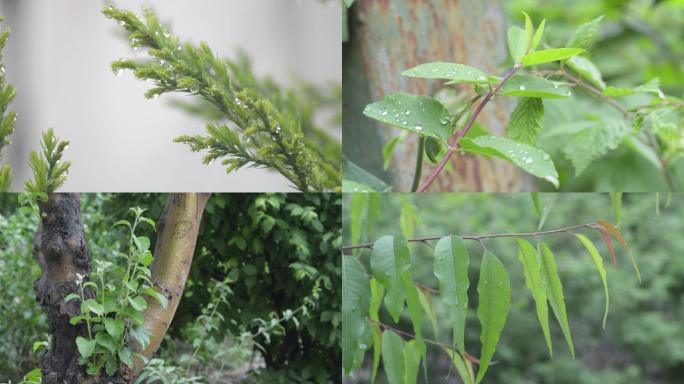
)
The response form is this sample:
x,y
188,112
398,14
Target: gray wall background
x,y
59,56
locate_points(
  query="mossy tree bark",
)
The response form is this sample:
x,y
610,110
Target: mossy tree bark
x,y
61,249
387,37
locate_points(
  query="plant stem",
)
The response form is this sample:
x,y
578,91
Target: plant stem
x,y
653,143
453,142
419,163
482,237
596,92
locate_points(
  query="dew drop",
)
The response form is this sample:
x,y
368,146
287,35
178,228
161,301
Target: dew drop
x,y
363,346
419,127
122,23
2,69
117,71
383,112
434,69
277,130
408,112
522,88
528,160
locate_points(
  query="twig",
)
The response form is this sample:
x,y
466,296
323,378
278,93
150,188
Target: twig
x,y
482,237
597,93
453,142
470,358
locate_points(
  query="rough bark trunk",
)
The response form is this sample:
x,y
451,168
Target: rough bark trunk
x,y
61,249
390,36
177,231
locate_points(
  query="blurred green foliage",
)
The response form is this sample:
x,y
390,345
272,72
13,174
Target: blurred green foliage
x,y
271,250
638,40
644,338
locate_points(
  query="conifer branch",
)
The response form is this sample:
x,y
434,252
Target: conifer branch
x,y
259,124
49,172
8,119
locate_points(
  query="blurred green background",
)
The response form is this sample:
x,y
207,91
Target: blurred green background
x,y
266,252
644,337
638,40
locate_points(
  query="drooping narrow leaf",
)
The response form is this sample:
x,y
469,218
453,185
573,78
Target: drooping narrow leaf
x,y
412,355
426,302
389,259
451,270
584,34
529,29
525,122
549,55
456,73
536,203
462,366
415,311
517,44
355,295
616,234
587,70
533,280
418,114
393,357
601,270
529,158
554,291
377,293
494,292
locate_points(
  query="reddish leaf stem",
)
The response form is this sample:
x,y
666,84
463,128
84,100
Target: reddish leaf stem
x,y
453,142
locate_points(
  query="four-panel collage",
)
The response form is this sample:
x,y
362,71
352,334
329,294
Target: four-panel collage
x,y
341,191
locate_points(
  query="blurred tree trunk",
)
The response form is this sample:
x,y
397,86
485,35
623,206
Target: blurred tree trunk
x,y
387,37
61,249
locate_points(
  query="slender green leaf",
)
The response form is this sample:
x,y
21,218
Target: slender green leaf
x,y
554,291
389,260
377,293
456,73
415,311
653,87
517,44
533,280
418,114
393,357
549,55
529,30
601,270
536,203
584,34
451,270
587,70
530,159
494,292
532,86
462,366
525,122
426,302
616,234
412,355
355,303
616,199
538,35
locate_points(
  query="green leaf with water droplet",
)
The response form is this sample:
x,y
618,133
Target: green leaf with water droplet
x,y
554,291
419,114
389,260
517,44
530,159
587,70
549,55
393,357
525,122
456,73
527,255
532,86
494,292
451,269
598,261
355,303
